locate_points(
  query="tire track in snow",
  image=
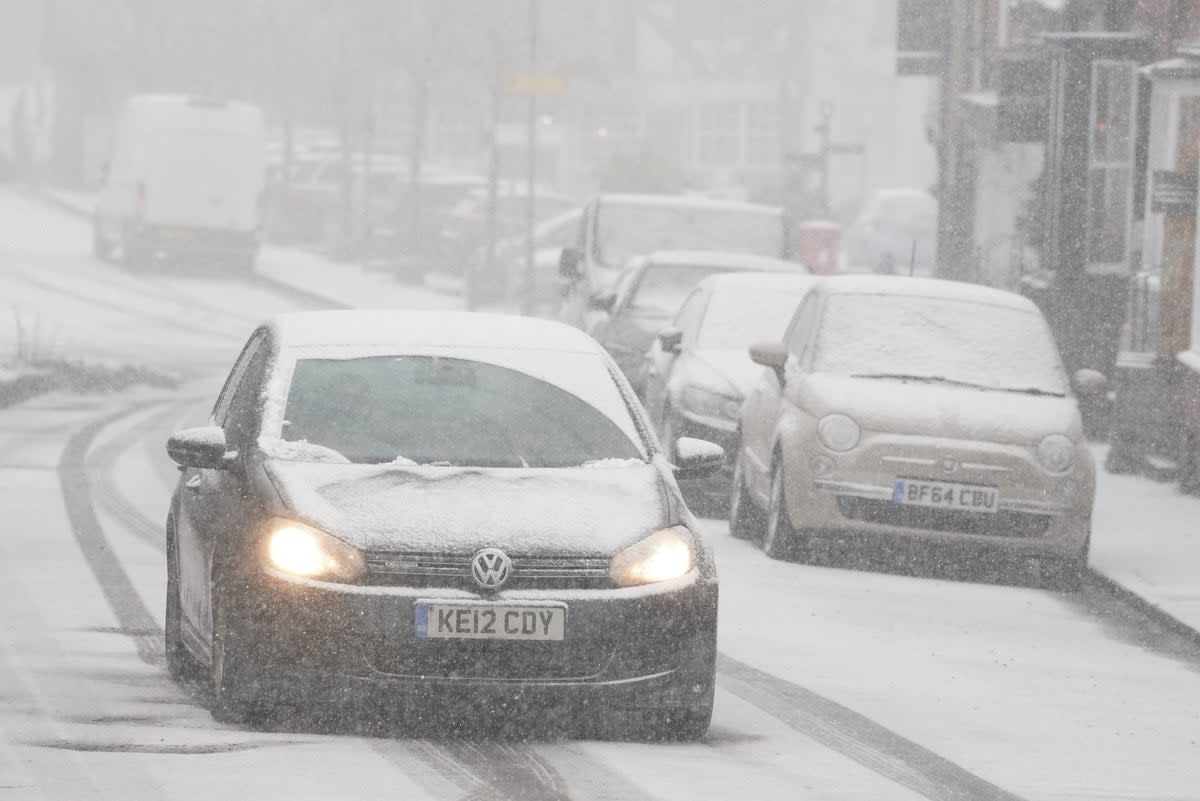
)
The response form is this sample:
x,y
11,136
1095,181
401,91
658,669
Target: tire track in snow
x,y
856,736
78,497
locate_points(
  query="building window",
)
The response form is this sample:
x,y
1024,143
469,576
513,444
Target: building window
x,y
719,134
1110,163
762,133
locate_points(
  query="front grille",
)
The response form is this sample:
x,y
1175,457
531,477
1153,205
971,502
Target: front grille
x,y
492,659
430,569
1000,524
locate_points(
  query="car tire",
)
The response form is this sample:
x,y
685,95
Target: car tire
x,y
780,540
233,675
181,665
745,520
101,249
135,255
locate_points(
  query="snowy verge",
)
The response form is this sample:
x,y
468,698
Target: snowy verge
x,y
22,383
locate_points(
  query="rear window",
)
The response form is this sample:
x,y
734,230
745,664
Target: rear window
x,y
438,410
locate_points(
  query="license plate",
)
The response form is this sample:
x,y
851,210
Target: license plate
x,y
490,621
944,495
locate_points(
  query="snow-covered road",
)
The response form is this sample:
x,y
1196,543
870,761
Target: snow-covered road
x,y
834,683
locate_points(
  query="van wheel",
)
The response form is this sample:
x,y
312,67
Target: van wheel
x,y
101,249
135,255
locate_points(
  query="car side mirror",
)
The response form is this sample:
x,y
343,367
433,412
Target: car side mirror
x,y
1088,383
697,458
770,354
569,263
199,447
603,301
670,339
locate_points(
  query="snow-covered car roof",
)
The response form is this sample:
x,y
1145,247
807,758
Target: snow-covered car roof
x,y
401,328
686,201
760,281
724,259
922,287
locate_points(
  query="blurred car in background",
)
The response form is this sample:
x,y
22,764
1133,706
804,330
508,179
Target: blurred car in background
x,y
698,370
895,233
615,228
919,409
649,293
465,230
550,237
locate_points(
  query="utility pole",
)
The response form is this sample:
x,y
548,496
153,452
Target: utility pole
x,y
527,295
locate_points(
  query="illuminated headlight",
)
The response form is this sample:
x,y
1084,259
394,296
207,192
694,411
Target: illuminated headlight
x,y
706,403
302,550
662,556
1056,453
838,432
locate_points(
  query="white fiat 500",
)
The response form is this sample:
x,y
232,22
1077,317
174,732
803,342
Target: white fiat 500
x,y
921,409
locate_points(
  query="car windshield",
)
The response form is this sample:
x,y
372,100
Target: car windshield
x,y
625,231
438,410
664,287
939,339
737,318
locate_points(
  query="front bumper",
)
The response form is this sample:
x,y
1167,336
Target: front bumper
x,y
624,647
1038,514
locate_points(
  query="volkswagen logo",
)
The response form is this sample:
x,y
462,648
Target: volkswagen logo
x,y
491,568
949,464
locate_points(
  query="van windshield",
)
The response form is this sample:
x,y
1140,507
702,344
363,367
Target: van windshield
x,y
624,231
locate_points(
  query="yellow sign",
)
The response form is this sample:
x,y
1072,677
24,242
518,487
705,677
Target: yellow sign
x,y
534,83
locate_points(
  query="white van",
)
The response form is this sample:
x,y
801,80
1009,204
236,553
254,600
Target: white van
x,y
186,177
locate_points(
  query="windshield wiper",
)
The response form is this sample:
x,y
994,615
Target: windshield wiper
x,y
923,379
939,379
1031,391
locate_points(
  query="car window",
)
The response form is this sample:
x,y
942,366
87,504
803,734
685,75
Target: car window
x,y
799,333
691,313
664,287
441,410
221,408
938,338
736,318
241,423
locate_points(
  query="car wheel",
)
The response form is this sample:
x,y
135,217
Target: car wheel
x,y
135,255
181,665
234,678
101,249
780,538
745,520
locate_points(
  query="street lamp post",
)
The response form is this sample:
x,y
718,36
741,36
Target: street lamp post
x,y
527,294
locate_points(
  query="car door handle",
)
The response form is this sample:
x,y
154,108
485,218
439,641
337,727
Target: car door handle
x,y
193,483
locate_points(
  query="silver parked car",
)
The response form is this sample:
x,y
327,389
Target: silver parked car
x,y
920,409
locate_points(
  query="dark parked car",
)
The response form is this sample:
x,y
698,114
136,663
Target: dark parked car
x,y
440,506
650,291
698,371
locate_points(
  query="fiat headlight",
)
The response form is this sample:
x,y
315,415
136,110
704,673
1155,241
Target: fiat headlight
x,y
1056,453
838,432
302,550
706,403
664,555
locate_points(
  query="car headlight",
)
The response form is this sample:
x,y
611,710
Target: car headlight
x,y
664,555
706,403
838,432
302,550
1056,453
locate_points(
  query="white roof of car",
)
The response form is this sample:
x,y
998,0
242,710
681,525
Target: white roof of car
x,y
723,259
766,282
686,201
401,328
923,287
